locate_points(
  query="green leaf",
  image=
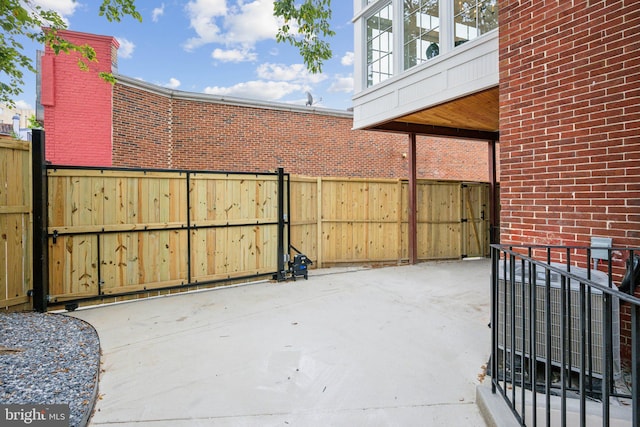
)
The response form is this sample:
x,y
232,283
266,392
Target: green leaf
x,y
311,18
25,18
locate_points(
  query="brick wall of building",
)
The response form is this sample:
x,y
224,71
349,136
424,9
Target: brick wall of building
x,y
89,122
570,121
153,128
141,129
570,125
77,104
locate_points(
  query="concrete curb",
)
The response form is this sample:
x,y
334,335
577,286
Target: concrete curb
x,y
493,408
496,412
88,412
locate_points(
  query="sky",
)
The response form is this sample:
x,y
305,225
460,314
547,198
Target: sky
x,y
221,47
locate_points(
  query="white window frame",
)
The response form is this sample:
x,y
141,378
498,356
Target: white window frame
x,y
364,10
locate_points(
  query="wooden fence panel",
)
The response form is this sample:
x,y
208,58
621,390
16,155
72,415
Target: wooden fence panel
x,y
248,204
304,216
123,231
384,234
98,215
91,201
439,221
74,270
115,231
360,220
15,223
118,231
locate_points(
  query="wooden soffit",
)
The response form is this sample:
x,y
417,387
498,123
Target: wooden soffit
x,y
474,116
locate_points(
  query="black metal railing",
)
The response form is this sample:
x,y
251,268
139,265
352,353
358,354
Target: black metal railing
x,y
565,346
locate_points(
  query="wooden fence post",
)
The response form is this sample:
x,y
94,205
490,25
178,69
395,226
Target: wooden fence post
x,y
40,222
399,210
319,256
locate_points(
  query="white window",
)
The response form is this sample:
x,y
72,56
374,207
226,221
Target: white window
x,y
400,34
421,31
380,45
474,18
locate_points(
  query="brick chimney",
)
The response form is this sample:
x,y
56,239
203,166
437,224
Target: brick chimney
x,y
78,104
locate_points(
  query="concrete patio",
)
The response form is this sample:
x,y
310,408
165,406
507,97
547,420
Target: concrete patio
x,y
395,346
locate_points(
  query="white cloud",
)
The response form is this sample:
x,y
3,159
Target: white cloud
x,y
293,72
126,48
202,15
233,55
275,82
342,84
250,23
173,83
242,25
157,13
64,8
23,105
347,59
257,89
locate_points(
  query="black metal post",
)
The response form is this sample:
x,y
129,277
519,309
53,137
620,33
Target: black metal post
x,y
288,215
635,363
533,289
548,329
495,266
281,274
40,222
583,352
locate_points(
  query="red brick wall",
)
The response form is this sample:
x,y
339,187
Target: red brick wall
x,y
141,129
153,129
570,125
570,121
77,104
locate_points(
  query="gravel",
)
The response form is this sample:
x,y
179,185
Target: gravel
x,y
49,359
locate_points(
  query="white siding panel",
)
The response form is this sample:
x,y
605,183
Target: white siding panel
x,y
422,89
467,69
475,69
380,105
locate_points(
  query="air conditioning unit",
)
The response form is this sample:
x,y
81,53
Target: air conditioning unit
x,y
594,321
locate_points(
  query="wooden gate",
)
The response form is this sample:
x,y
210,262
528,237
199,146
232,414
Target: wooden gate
x,y
438,217
475,219
114,232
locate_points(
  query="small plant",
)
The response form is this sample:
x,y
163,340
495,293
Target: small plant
x,y
33,123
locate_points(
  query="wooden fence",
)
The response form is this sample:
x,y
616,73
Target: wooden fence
x,y
338,220
115,233
15,223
